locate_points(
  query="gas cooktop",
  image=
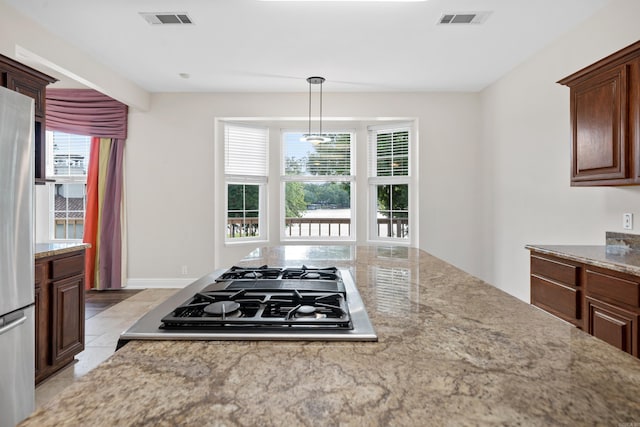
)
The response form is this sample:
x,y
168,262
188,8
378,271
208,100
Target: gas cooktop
x,y
260,303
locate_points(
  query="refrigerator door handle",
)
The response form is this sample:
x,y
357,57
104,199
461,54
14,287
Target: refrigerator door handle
x,y
13,325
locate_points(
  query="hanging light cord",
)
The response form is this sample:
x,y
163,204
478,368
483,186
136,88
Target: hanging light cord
x,y
309,107
321,108
315,138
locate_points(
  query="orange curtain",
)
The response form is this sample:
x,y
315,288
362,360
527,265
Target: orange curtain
x,y
104,229
91,215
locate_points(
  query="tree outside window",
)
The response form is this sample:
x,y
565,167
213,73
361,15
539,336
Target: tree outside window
x,y
389,179
243,204
317,186
246,160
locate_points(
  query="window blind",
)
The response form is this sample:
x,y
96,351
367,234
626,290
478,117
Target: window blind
x,y
246,150
69,154
332,158
389,152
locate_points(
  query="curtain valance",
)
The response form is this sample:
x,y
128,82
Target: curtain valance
x,y
86,112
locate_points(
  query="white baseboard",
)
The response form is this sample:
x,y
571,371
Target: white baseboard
x,y
158,283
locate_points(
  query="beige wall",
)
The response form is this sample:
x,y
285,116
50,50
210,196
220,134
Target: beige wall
x,y
494,166
525,121
170,153
170,173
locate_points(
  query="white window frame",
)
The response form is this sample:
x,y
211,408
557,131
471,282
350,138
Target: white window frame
x,y
374,181
284,179
262,227
61,179
261,180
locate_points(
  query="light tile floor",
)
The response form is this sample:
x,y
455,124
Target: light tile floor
x,y
101,335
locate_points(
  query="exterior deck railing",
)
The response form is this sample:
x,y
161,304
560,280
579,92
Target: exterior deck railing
x,y
317,227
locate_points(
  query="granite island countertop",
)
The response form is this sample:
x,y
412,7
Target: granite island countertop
x,y
43,250
452,350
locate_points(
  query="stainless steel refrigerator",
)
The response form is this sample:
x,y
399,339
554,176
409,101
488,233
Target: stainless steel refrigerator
x,y
17,318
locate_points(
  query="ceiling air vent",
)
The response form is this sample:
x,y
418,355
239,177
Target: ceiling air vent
x,y
161,18
464,18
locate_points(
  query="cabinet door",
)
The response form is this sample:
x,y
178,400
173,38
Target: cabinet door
x,y
67,301
599,114
41,324
614,325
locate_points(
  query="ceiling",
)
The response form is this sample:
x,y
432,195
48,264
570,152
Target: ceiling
x,y
266,46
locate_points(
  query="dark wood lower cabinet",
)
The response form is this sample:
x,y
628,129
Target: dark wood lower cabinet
x,y
555,288
59,289
603,302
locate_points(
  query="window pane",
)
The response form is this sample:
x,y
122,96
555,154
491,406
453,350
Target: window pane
x,y
246,150
252,197
69,209
235,197
60,230
70,153
331,158
243,210
393,211
392,151
384,166
318,209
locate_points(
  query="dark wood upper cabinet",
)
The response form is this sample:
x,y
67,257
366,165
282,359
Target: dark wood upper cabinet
x,y
605,120
32,83
599,143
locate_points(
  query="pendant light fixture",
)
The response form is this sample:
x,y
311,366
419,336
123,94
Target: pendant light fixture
x,y
315,138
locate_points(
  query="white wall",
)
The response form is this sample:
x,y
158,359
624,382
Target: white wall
x,y
525,133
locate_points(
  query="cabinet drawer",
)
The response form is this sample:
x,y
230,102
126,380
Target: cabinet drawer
x,y
554,270
68,266
563,301
612,287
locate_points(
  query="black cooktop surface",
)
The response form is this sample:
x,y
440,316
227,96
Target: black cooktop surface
x,y
266,297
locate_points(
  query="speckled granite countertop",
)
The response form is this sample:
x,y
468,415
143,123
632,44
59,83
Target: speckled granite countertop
x,y
43,250
452,351
615,258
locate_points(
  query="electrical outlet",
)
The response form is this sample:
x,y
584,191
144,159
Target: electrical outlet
x,y
185,270
627,221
